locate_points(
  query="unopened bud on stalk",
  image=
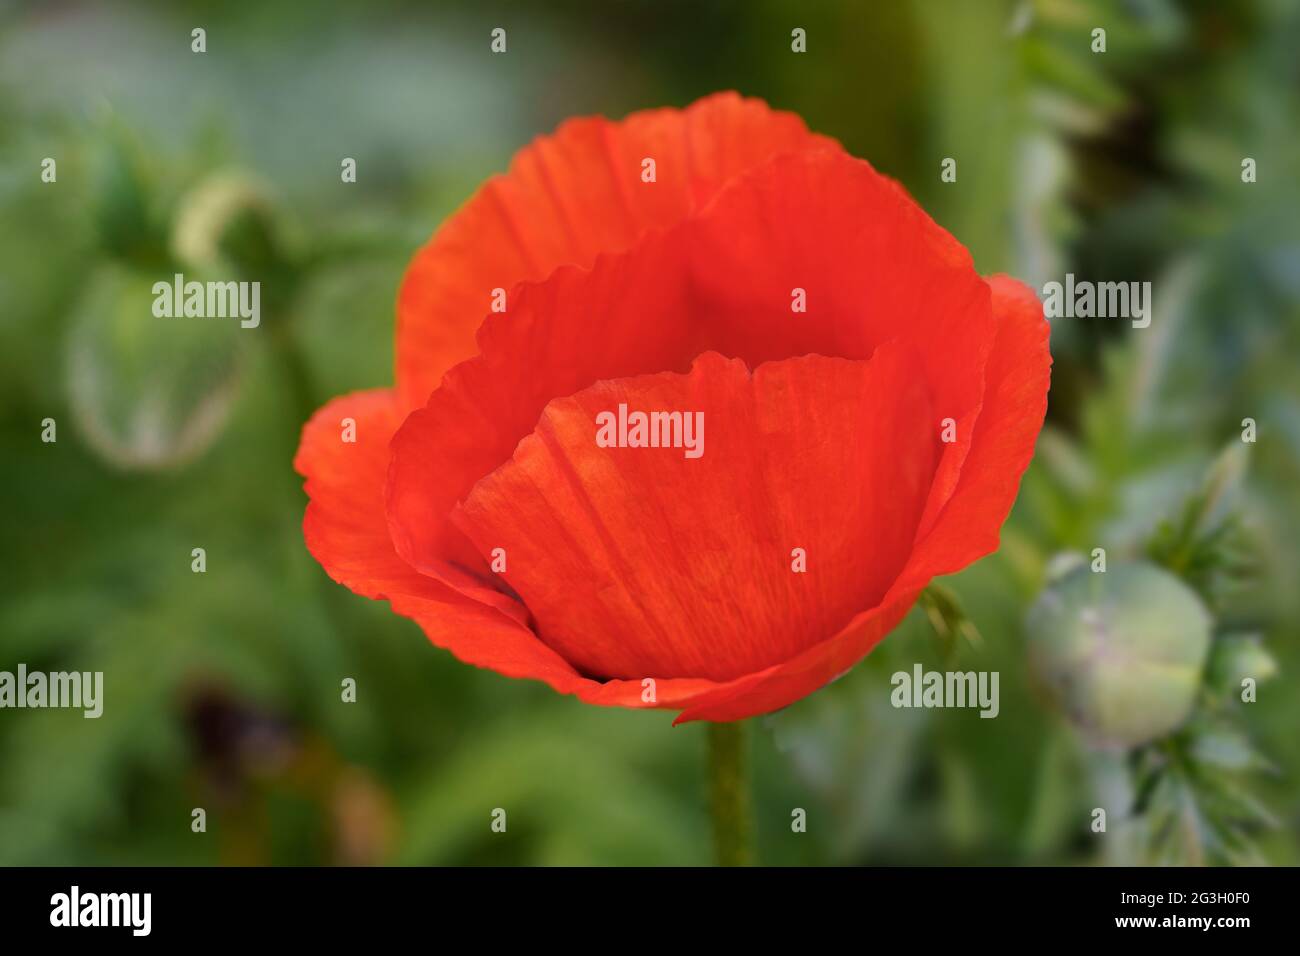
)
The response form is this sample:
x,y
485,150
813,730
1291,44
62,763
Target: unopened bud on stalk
x,y
1121,654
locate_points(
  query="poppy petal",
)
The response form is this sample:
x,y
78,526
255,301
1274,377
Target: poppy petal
x,y
649,561
567,198
347,533
1015,403
1018,375
346,527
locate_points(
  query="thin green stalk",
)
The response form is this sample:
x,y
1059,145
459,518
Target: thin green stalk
x,y
729,795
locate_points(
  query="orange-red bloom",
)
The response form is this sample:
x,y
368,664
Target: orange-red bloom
x,y
640,576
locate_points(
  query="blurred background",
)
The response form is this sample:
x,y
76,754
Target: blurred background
x,y
223,688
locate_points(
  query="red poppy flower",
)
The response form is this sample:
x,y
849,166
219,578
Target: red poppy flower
x,y
882,431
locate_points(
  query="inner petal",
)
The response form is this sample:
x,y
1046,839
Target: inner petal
x,y
685,560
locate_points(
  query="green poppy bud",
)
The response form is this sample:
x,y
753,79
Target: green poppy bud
x,y
147,392
1121,653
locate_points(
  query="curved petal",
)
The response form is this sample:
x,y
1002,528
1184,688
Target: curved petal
x,y
966,529
347,533
345,526
567,198
680,560
874,268
1015,403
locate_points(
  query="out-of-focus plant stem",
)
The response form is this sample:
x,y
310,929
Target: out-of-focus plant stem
x,y
733,841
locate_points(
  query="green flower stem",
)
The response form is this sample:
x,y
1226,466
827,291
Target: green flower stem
x,y
729,795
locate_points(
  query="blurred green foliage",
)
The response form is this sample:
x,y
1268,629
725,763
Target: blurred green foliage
x,y
223,689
